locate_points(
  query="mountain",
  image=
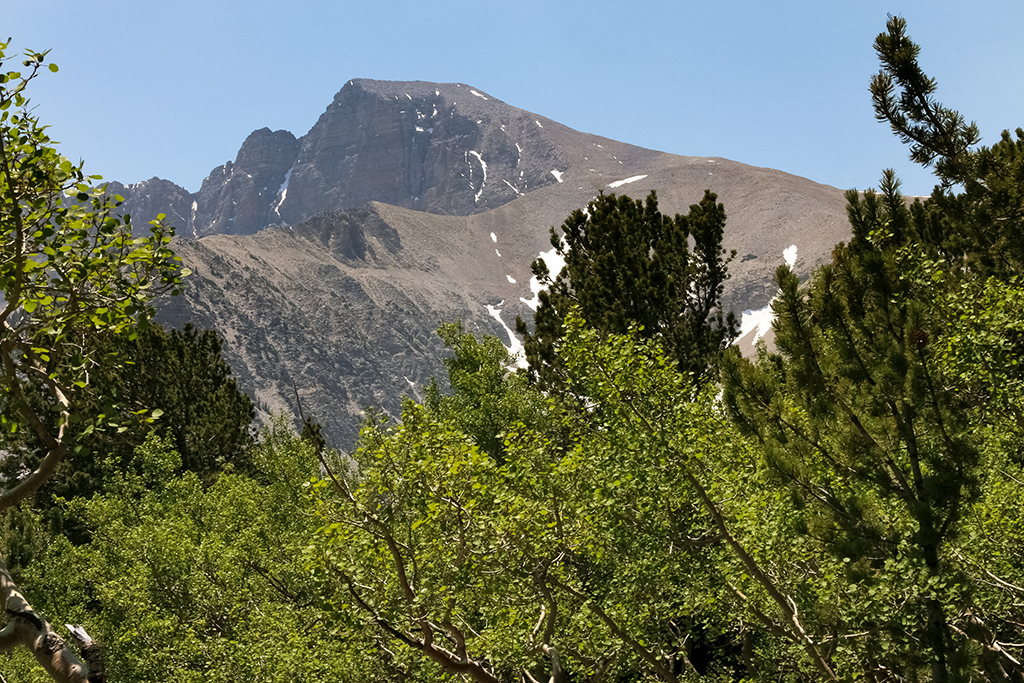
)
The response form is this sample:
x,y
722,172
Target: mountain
x,y
327,261
443,148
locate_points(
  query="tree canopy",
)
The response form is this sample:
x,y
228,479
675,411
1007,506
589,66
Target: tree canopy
x,y
873,414
178,374
627,264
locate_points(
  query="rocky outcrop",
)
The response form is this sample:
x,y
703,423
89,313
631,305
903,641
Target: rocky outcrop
x,y
145,200
354,236
242,197
238,198
440,148
344,308
443,148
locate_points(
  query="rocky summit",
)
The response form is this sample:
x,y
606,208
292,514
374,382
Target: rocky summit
x,y
328,261
443,148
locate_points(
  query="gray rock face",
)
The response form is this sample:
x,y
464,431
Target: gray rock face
x,y
440,148
353,236
241,198
343,307
145,200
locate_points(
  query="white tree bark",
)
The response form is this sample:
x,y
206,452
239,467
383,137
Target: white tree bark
x,y
26,628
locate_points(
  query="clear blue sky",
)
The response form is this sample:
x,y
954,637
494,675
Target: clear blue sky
x,y
171,89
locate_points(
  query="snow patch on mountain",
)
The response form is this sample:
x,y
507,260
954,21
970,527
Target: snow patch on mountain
x,y
761,319
627,181
282,191
790,256
555,262
515,347
483,165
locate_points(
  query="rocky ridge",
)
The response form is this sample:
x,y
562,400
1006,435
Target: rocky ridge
x,y
443,148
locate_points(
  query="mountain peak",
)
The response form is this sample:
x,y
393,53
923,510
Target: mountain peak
x,y
443,148
410,203
411,90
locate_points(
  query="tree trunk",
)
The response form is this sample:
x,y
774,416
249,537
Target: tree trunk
x,y
26,628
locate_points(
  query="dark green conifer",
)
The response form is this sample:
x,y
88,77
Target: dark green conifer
x,y
857,413
627,264
182,374
854,418
977,210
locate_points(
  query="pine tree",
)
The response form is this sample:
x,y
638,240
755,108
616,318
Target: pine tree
x,y
853,419
858,414
627,264
977,210
182,374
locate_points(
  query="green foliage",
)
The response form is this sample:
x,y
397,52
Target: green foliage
x,y
596,547
73,279
414,545
982,334
180,377
648,553
982,222
487,398
857,519
875,454
627,265
932,131
182,374
188,582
